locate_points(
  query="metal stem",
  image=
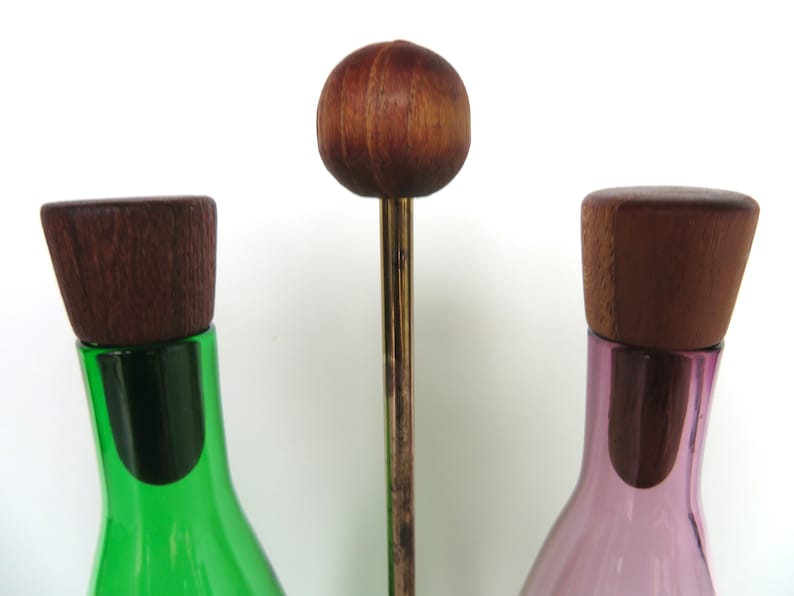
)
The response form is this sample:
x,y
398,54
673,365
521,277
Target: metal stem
x,y
396,270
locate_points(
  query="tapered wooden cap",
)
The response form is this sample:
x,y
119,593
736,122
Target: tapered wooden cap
x,y
134,271
663,265
393,121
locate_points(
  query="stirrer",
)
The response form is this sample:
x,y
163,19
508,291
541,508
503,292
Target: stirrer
x,y
393,123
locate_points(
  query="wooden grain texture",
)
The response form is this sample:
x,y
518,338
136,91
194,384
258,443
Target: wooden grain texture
x,y
663,265
134,271
647,410
393,121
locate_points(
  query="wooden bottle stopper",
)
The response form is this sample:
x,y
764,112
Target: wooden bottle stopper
x,y
663,265
393,121
134,271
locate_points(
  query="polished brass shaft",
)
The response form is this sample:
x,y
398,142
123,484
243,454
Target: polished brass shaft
x,y
396,270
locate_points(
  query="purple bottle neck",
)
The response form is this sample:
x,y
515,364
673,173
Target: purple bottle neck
x,y
633,525
647,412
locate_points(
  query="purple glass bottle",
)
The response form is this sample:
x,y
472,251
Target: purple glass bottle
x,y
662,268
633,524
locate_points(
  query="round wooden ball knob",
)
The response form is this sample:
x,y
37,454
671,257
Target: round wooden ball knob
x,y
663,265
393,121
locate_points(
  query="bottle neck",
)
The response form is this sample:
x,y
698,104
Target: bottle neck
x,y
647,412
158,426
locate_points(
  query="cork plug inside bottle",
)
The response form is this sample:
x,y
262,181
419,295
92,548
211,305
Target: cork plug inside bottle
x,y
647,410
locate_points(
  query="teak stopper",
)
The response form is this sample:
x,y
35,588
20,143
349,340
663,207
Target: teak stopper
x,y
134,271
393,121
663,265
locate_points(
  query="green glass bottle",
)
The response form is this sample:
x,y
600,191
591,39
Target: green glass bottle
x,y
172,522
137,277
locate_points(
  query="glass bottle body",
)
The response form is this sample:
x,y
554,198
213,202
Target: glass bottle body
x,y
633,526
172,523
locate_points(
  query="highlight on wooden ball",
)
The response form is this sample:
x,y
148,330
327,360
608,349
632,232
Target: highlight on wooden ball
x,y
393,121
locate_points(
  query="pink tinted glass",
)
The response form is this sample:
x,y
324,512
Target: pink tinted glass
x,y
633,525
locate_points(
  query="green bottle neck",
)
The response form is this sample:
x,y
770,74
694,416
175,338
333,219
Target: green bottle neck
x,y
159,430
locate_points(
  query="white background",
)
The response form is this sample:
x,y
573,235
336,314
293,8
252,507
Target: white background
x,y
107,100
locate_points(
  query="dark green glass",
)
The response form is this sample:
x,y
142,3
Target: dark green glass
x,y
172,522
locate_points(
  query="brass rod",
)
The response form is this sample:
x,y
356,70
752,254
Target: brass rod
x,y
396,271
